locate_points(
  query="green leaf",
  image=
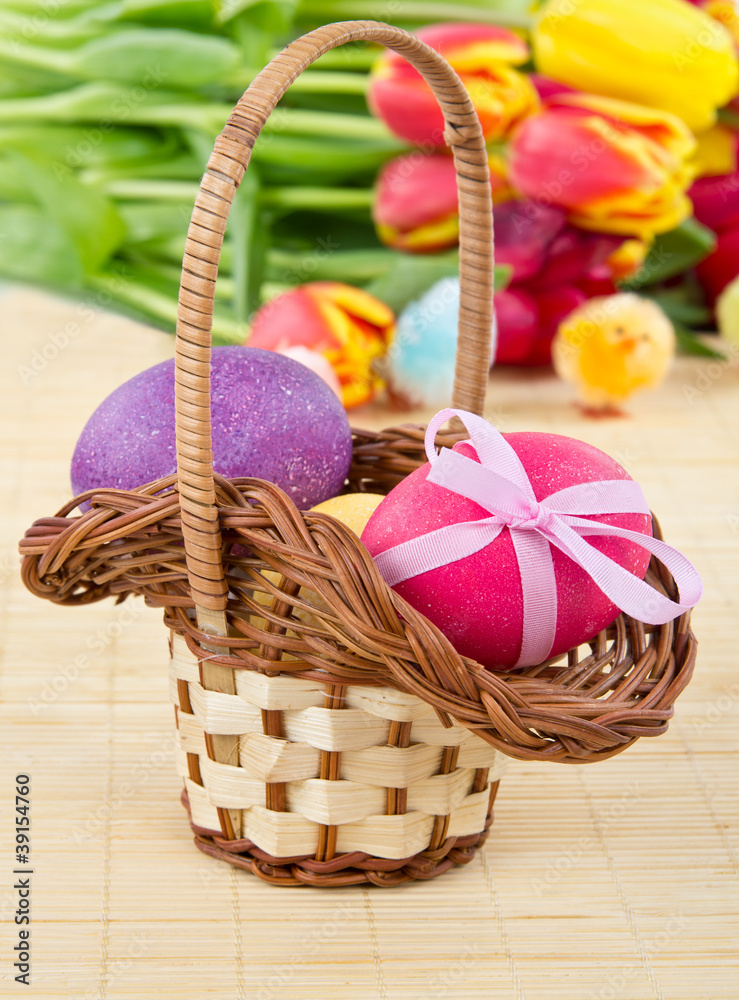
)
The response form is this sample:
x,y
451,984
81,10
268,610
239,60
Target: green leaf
x,y
683,304
155,58
409,277
689,343
197,14
674,253
33,248
415,12
293,157
87,217
248,227
271,15
146,221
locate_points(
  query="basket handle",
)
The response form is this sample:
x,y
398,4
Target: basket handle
x,y
224,172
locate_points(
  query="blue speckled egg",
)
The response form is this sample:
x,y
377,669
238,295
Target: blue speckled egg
x,y
272,418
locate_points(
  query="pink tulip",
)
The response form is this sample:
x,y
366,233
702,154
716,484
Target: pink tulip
x,y
482,55
615,167
415,206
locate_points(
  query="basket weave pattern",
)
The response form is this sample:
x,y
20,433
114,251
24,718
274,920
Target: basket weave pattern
x,y
329,733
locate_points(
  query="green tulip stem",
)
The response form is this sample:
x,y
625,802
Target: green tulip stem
x,y
317,82
414,11
317,198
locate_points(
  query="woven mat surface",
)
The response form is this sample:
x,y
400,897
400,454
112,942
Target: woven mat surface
x,y
619,880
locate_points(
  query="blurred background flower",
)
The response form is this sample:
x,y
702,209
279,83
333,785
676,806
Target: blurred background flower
x,y
616,167
664,54
349,327
483,56
611,129
415,206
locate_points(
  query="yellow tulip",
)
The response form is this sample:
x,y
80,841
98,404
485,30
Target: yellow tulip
x,y
715,153
665,54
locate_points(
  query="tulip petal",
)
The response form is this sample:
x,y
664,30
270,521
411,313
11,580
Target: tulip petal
x,y
665,54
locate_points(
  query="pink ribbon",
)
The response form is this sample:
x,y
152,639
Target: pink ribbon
x,y
499,484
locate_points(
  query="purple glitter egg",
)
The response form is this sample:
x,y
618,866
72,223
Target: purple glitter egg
x,y
272,418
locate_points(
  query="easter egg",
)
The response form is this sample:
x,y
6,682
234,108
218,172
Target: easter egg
x,y
272,418
420,364
477,601
353,509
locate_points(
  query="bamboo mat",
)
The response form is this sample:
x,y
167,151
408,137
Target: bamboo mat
x,y
613,881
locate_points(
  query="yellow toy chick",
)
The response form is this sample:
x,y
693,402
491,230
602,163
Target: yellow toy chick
x,y
611,346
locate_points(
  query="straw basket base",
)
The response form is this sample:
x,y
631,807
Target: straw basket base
x,y
355,868
365,785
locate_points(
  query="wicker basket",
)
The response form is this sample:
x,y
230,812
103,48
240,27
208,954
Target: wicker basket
x,y
329,733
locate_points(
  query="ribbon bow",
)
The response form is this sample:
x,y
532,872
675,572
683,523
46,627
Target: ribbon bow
x,y
499,484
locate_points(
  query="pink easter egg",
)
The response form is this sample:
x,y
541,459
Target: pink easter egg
x,y
477,601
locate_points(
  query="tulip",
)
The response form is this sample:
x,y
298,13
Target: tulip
x,y
663,53
517,319
716,201
715,197
715,152
482,55
616,167
415,207
722,266
555,268
723,11
349,327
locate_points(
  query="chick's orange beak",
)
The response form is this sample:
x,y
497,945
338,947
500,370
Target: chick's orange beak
x,y
627,344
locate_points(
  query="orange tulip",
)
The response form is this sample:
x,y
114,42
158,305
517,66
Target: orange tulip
x,y
482,55
616,167
349,327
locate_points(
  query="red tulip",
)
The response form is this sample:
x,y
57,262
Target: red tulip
x,y
523,233
517,319
415,207
481,54
616,167
716,201
553,306
556,267
721,266
349,327
547,88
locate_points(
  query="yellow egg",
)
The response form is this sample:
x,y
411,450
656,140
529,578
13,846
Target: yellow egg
x,y
353,509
